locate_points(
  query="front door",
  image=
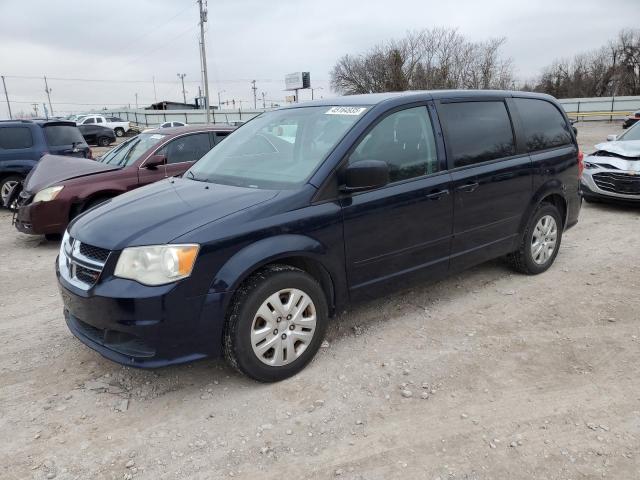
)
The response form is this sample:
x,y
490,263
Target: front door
x,y
403,229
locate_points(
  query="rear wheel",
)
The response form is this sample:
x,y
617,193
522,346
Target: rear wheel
x,y
7,184
540,242
275,324
119,132
104,141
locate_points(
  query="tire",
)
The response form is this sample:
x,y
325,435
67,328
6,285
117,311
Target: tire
x,y
119,132
53,237
94,203
524,259
6,186
261,346
104,141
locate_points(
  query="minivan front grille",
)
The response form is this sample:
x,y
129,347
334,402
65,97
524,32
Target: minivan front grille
x,y
80,263
618,182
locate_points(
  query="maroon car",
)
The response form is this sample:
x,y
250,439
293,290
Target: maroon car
x,y
59,188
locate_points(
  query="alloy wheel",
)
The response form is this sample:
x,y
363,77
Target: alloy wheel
x,y
6,190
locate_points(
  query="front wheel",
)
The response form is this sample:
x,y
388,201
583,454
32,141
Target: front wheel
x,y
275,324
540,243
7,185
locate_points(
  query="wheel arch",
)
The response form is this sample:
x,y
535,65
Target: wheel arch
x,y
551,192
298,251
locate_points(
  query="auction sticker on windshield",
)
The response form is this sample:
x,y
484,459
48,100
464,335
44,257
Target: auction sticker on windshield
x,y
345,110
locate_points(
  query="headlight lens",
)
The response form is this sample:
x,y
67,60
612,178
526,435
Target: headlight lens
x,y
48,194
157,264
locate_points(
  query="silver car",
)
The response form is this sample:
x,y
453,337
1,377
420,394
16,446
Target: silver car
x,y
613,170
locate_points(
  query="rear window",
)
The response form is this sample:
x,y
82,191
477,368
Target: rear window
x,y
15,137
544,125
477,131
62,135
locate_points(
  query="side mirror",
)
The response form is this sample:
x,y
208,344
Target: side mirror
x,y
154,161
365,175
612,138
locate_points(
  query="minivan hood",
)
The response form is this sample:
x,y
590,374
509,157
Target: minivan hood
x,y
629,148
53,169
162,211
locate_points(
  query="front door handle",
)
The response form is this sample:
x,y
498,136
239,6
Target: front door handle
x,y
468,187
437,194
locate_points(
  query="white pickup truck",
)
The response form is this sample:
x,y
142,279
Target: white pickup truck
x,y
119,126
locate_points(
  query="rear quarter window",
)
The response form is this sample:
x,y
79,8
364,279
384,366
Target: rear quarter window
x,y
544,126
15,138
477,132
62,135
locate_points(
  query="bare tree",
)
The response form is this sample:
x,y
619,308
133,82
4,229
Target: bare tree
x,y
425,59
608,71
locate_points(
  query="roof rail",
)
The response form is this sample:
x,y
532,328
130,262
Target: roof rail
x,y
14,121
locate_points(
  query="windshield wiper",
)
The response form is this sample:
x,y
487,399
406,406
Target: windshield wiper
x,y
194,178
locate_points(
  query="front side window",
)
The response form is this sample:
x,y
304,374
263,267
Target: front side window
x,y
632,133
131,150
278,149
405,141
477,131
58,135
186,149
544,125
89,120
15,137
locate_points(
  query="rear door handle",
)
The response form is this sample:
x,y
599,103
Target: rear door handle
x,y
437,194
468,187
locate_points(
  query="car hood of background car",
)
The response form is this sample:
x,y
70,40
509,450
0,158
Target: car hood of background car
x,y
160,212
53,169
629,149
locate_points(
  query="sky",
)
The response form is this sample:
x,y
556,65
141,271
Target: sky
x,y
101,54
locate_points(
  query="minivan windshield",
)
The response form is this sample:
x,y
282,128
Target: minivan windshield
x,y
131,150
278,149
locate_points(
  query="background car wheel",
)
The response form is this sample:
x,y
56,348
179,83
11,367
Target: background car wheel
x,y
6,186
53,237
275,324
104,141
540,242
119,132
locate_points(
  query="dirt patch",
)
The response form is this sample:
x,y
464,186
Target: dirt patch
x,y
488,374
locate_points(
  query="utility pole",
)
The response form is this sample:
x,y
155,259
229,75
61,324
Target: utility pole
x,y
136,100
48,91
35,108
264,104
155,95
203,56
219,102
254,88
184,94
6,95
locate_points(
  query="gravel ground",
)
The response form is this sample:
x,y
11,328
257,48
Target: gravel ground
x,y
486,375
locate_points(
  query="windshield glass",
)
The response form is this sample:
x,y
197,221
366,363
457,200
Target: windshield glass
x,y
632,134
278,149
131,150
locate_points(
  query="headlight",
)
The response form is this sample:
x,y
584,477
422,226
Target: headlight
x,y
47,194
158,264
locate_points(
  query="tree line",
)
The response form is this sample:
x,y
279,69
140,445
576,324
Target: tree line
x,y
441,58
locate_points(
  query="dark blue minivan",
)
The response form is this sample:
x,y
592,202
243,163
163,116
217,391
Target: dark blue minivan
x,y
308,208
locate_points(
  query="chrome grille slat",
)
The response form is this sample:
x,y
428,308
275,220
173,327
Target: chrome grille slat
x,y
81,264
618,182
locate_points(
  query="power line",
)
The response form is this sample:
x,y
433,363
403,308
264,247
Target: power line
x,y
102,80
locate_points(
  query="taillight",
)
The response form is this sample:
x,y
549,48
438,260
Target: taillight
x,y
580,163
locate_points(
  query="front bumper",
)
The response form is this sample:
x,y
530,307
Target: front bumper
x,y
42,217
590,188
142,326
